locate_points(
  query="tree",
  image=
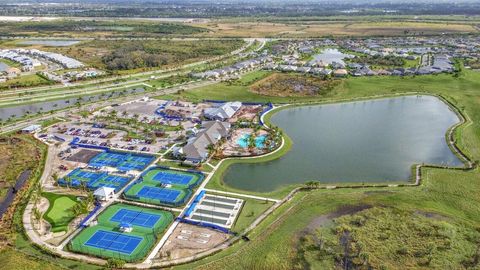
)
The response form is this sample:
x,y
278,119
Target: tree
x,y
114,263
37,214
251,142
312,184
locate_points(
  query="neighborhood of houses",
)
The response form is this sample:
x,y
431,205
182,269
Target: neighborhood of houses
x,y
31,61
342,57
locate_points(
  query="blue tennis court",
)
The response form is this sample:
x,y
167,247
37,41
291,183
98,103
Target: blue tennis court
x,y
156,193
137,218
114,241
122,161
173,178
94,180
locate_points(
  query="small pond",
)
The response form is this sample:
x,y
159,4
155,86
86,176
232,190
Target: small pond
x,y
328,56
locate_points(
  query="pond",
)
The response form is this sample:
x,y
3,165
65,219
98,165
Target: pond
x,y
50,42
46,106
364,141
3,67
328,56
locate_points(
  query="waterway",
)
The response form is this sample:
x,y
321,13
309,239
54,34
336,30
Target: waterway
x,y
46,106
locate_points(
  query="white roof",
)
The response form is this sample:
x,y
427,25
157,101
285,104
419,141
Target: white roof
x,y
104,191
32,128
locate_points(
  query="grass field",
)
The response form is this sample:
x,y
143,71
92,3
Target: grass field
x,y
59,213
251,210
25,81
324,28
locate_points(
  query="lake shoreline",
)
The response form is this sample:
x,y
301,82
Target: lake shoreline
x,y
415,168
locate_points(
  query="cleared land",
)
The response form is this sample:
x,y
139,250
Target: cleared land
x,y
288,85
105,28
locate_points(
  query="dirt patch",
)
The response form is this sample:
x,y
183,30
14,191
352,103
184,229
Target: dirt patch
x,y
287,85
188,240
431,215
83,156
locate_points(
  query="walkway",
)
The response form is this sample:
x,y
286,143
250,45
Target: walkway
x,y
242,195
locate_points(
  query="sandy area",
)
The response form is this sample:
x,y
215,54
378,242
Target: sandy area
x,y
187,240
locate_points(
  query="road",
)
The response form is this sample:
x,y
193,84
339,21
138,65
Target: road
x,y
36,93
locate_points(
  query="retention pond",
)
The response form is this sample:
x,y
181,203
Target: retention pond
x,y
354,142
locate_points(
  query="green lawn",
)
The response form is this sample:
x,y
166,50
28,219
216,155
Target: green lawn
x,y
59,213
251,210
25,81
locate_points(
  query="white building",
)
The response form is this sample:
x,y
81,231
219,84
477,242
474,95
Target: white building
x,y
104,193
223,112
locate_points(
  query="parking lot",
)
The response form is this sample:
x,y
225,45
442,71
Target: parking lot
x,y
112,138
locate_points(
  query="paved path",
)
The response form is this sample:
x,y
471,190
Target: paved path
x,y
149,205
242,195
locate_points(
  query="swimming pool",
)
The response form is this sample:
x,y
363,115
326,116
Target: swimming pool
x,y
259,141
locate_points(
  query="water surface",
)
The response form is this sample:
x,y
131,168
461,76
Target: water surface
x,y
50,42
365,141
328,56
3,67
17,111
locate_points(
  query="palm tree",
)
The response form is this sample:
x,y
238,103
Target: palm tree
x,y
251,142
312,184
68,181
55,178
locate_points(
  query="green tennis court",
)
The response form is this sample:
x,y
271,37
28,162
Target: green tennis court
x,y
177,178
164,186
148,192
106,240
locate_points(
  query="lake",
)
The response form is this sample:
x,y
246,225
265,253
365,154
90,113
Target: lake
x,y
3,67
365,141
